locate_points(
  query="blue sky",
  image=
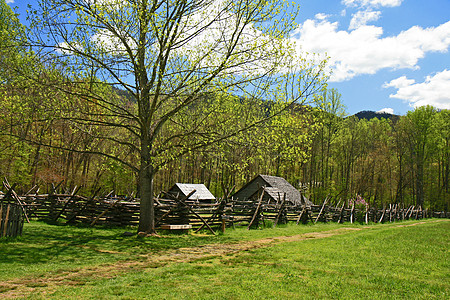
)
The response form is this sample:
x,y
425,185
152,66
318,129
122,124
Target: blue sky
x,y
385,54
389,55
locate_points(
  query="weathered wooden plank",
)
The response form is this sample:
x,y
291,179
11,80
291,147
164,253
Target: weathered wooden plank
x,y
256,210
5,222
176,227
323,205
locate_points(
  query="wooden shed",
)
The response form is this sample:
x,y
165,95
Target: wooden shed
x,y
276,188
202,194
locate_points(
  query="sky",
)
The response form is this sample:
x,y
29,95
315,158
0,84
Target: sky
x,y
384,55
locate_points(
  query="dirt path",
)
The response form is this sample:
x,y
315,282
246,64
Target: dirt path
x,y
47,284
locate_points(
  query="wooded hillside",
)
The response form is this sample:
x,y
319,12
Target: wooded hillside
x,y
82,131
384,162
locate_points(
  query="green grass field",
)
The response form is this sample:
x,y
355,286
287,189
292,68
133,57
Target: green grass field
x,y
406,260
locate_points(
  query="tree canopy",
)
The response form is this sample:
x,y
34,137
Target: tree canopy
x,y
170,56
216,105
12,38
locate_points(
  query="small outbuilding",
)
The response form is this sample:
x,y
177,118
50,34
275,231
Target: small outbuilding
x,y
202,194
275,189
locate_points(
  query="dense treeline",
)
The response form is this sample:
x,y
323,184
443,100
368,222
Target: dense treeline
x,y
40,147
322,152
50,133
385,161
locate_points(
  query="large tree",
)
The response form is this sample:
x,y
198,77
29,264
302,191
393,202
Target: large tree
x,y
12,37
171,55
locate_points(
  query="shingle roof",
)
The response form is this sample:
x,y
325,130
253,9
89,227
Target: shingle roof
x,y
275,187
201,191
292,194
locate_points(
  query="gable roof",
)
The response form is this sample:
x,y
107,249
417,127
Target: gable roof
x,y
292,194
275,187
201,191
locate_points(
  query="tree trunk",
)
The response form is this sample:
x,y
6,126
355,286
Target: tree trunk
x,y
146,214
146,175
399,193
419,182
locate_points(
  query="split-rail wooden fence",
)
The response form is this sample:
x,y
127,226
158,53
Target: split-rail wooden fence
x,y
11,220
113,210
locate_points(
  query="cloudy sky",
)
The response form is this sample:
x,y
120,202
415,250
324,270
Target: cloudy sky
x,y
385,55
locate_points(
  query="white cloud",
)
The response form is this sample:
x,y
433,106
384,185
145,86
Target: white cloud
x,y
372,3
104,2
68,48
386,111
361,18
400,82
365,51
433,91
9,1
108,42
321,16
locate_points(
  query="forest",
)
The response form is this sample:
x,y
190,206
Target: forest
x,y
50,133
316,148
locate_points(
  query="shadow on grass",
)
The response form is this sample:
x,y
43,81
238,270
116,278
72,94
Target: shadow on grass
x,y
44,243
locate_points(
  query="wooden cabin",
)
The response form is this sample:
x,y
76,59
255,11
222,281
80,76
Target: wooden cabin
x,y
202,194
276,188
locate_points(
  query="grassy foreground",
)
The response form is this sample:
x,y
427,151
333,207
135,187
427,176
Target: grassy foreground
x,y
390,261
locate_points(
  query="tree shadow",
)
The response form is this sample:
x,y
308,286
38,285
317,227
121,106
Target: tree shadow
x,y
44,243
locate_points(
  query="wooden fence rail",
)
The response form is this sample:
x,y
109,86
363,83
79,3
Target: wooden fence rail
x,y
124,211
11,220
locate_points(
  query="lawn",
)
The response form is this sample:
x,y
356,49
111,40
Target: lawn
x,y
326,261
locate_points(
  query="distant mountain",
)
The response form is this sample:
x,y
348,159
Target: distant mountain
x,y
368,115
